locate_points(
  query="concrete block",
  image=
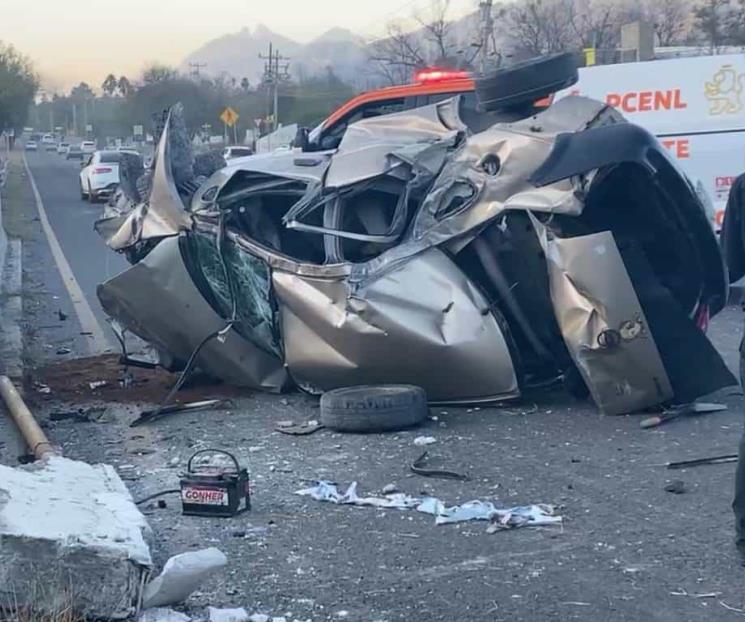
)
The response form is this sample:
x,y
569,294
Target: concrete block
x,y
181,575
71,535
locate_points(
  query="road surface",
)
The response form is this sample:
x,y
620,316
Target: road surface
x,y
71,219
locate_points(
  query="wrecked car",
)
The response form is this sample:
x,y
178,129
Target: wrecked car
x,y
475,254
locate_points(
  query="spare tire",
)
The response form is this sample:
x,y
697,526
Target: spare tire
x,y
526,82
371,408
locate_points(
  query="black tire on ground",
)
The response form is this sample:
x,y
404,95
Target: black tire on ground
x,y
370,408
91,196
526,82
83,195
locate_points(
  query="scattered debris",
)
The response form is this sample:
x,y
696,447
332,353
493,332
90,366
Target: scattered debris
x,y
302,429
419,467
97,384
81,415
258,617
181,575
389,489
677,487
214,486
163,614
683,464
686,410
730,608
532,515
61,315
228,615
421,441
147,416
43,388
64,350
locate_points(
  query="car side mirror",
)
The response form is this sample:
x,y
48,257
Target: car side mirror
x,y
301,139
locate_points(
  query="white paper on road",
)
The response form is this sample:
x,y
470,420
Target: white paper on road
x,y
521,516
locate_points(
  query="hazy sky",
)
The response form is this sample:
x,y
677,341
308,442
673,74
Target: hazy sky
x,y
73,40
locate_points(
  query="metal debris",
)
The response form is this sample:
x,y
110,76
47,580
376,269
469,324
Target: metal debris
x,y
419,467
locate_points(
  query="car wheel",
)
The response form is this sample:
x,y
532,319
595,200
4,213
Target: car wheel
x,y
526,82
373,408
91,196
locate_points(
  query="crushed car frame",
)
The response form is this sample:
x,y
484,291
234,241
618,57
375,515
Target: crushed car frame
x,y
473,254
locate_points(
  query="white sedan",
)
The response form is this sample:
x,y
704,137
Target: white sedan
x,y
99,176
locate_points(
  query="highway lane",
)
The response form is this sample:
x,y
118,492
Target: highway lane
x,y
72,220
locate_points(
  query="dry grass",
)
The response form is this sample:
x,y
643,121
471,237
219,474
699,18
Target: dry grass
x,y
63,611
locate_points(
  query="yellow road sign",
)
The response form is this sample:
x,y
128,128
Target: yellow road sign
x,y
229,116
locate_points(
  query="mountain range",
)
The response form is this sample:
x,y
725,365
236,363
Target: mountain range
x,y
338,49
237,54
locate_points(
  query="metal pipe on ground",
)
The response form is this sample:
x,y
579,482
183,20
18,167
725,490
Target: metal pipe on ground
x,y
32,434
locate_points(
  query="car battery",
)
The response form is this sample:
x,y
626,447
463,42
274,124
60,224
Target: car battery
x,y
214,488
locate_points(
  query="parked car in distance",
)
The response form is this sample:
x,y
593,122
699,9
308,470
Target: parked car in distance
x,y
31,145
74,152
62,148
88,147
99,176
236,152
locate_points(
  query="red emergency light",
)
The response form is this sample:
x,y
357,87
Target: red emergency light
x,y
433,74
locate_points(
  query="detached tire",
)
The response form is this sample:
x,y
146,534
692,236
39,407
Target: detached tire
x,y
370,408
526,82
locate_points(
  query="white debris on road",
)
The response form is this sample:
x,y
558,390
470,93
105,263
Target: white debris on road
x,y
421,441
163,614
181,575
521,516
228,615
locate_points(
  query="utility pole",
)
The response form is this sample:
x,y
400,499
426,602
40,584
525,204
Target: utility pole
x,y
74,119
487,33
195,68
273,76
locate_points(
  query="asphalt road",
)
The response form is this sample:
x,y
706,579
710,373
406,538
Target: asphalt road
x,y
72,220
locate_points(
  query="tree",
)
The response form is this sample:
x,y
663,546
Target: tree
x,y
82,92
537,27
18,85
159,73
110,84
245,84
124,86
672,19
401,52
710,22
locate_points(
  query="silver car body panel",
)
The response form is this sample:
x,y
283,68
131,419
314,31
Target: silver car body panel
x,y
602,322
158,300
423,323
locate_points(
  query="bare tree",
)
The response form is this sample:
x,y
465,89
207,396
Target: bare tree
x,y
437,29
672,19
435,42
536,27
711,22
597,23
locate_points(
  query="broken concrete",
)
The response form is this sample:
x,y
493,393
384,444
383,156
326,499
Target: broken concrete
x,y
181,575
71,536
163,614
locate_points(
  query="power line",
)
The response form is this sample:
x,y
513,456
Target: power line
x,y
273,75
